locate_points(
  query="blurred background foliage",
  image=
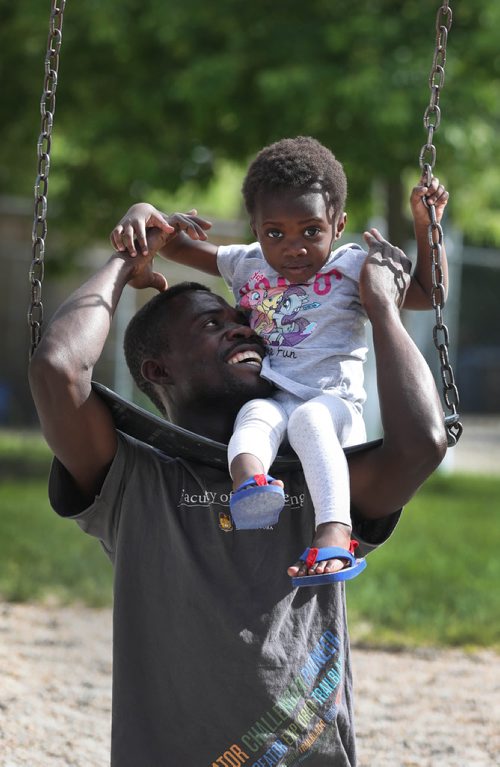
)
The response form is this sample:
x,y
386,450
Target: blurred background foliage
x,y
167,102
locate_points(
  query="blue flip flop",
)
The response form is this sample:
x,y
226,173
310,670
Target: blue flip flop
x,y
256,503
312,555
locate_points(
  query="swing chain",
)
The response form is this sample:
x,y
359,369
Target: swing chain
x,y
47,109
427,160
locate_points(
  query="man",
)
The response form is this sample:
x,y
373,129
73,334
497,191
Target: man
x,y
217,660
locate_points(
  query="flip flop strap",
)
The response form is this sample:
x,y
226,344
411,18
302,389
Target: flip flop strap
x,y
312,555
259,480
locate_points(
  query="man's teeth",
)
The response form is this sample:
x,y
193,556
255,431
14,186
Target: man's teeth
x,y
250,357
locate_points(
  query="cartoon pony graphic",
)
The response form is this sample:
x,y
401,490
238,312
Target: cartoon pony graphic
x,y
290,328
262,302
274,314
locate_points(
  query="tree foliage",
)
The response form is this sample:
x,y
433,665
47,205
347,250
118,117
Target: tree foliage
x,y
153,93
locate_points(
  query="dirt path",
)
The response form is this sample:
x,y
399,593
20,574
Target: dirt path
x,y
431,709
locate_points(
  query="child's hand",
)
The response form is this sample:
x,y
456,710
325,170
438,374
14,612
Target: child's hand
x,y
435,194
132,227
130,232
190,223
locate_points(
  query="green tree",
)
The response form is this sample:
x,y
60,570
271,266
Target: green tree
x,y
153,93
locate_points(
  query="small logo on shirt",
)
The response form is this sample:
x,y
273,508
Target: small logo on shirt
x,y
225,522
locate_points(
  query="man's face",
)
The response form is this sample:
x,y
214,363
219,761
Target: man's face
x,y
295,230
213,357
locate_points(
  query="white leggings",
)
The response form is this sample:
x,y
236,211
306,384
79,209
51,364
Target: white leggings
x,y
317,430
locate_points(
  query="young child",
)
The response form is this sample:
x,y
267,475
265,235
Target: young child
x,y
303,300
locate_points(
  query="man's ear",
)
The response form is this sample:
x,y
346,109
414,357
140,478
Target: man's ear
x,y
155,372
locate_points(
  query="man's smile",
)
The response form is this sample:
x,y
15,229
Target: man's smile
x,y
249,357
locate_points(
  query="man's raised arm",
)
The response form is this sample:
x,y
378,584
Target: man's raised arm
x,y
385,478
74,421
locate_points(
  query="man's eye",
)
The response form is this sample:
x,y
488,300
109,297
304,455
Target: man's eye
x,y
210,323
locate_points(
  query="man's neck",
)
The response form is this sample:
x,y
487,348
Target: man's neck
x,y
215,425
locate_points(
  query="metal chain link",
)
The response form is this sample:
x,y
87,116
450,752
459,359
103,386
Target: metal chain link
x,y
427,160
47,109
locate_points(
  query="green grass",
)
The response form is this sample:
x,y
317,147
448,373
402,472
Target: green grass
x,y
437,582
23,454
46,558
42,557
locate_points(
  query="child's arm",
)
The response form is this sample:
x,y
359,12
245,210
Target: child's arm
x,y
419,292
186,243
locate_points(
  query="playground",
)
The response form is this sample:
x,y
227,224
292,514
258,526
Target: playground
x,y
418,708
424,623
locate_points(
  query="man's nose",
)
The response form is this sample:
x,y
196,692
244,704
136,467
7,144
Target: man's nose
x,y
235,330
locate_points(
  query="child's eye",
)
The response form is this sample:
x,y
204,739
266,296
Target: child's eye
x,y
312,231
274,234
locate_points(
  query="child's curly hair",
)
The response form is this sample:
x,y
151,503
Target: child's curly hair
x,y
295,163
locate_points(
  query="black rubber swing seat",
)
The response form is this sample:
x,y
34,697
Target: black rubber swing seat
x,y
181,443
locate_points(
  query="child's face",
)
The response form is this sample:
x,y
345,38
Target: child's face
x,y
296,231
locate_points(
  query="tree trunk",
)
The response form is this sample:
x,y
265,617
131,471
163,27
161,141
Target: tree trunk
x,y
399,229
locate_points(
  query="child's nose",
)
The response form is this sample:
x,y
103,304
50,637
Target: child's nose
x,y
295,247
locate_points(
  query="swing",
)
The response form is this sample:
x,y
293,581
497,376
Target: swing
x,y
154,430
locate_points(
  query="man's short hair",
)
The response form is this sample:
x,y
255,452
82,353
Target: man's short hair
x,y
146,336
295,163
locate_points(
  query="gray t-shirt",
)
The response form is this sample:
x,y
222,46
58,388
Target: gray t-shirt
x,y
315,332
217,661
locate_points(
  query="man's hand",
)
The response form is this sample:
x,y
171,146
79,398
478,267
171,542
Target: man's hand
x,y
143,275
435,194
385,275
130,234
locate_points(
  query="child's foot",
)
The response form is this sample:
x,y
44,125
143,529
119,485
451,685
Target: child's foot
x,y
257,502
328,534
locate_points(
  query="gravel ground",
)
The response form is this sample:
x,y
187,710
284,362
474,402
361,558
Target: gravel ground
x,y
425,708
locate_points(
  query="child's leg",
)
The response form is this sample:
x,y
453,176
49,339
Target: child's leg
x,y
258,431
317,430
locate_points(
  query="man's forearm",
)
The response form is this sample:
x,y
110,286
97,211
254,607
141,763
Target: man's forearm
x,y
411,412
384,479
